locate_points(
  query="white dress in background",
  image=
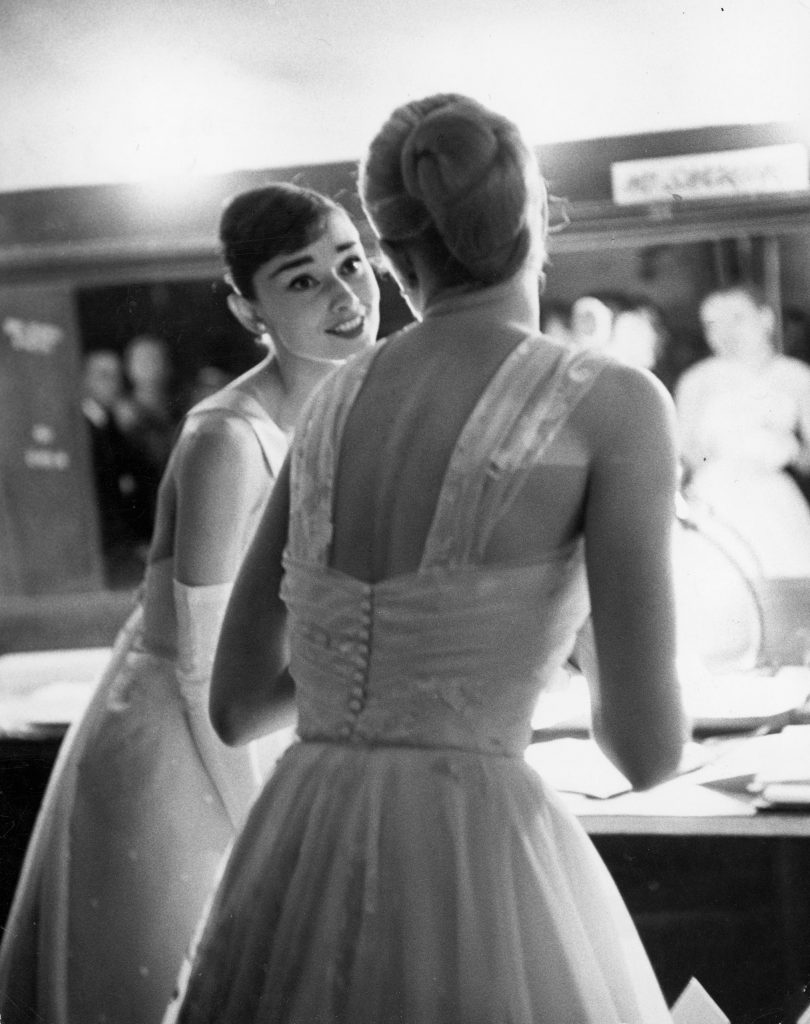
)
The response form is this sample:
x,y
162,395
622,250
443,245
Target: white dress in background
x,y
404,864
132,828
740,429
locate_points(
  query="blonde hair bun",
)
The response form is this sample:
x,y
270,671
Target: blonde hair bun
x,y
463,170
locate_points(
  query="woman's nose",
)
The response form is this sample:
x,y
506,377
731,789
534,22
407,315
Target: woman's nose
x,y
342,294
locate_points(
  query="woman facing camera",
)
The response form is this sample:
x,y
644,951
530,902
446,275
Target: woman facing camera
x,y
425,563
744,415
145,798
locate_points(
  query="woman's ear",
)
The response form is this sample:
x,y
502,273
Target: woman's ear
x,y
246,313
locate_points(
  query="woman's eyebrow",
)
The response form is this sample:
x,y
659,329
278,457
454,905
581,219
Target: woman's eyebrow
x,y
292,264
303,260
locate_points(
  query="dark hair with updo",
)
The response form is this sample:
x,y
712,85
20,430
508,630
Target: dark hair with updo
x,y
451,176
258,225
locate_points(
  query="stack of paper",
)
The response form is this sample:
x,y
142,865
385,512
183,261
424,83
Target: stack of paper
x,y
784,782
738,701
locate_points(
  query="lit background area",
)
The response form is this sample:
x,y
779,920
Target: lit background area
x,y
109,91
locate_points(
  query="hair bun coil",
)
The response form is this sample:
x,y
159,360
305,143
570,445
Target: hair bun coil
x,y
447,154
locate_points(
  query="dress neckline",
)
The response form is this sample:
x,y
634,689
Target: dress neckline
x,y
236,400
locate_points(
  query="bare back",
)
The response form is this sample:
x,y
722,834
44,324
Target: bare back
x,y
398,440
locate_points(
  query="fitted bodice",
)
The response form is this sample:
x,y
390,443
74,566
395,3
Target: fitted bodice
x,y
455,653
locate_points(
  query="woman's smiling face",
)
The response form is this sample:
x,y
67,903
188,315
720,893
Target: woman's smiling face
x,y
320,303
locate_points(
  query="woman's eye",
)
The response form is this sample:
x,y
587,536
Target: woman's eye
x,y
352,265
301,283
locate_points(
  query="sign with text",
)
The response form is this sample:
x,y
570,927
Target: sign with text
x,y
736,172
49,539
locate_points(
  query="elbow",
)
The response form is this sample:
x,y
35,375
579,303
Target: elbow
x,y
645,759
652,773
228,724
647,767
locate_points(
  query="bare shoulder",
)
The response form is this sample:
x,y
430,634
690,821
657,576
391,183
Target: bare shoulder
x,y
625,400
213,428
215,441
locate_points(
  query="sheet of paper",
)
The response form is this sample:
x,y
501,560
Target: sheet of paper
x,y
695,1006
752,763
576,766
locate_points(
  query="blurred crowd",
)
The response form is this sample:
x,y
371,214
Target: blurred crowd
x,y
743,410
132,404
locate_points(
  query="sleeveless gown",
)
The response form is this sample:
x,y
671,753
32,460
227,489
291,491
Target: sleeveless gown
x,y
404,864
131,831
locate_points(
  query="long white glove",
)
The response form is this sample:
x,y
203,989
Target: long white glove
x,y
234,772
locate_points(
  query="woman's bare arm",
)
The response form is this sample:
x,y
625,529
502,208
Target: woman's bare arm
x,y
637,713
221,482
251,689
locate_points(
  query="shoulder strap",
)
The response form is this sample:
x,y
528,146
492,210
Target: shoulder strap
x,y
510,430
313,456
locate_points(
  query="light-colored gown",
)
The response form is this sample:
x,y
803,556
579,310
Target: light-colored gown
x,y
741,428
132,829
404,864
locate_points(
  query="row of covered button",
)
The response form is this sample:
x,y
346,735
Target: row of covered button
x,y
357,692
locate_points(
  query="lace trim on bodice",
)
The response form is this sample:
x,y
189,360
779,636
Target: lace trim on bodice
x,y
509,432
313,459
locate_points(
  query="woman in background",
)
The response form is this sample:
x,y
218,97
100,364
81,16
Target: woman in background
x,y
426,562
145,798
744,416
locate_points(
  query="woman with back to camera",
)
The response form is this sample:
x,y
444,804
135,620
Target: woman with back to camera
x,y
426,560
145,798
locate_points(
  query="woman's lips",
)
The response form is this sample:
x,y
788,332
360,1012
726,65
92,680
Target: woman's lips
x,y
350,329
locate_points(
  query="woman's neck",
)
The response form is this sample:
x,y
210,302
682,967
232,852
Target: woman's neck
x,y
282,385
520,291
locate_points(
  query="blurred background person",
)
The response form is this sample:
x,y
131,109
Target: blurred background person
x,y
555,321
207,380
638,336
592,318
744,418
642,336
148,412
122,477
